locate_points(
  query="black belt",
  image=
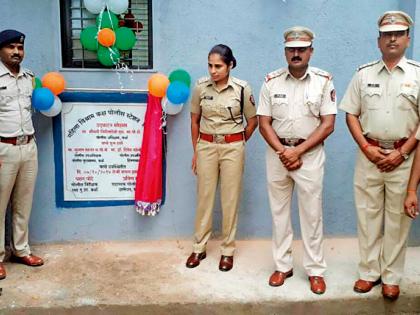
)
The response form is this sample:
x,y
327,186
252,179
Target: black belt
x,y
19,140
291,142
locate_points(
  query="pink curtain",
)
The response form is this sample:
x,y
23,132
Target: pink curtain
x,y
148,195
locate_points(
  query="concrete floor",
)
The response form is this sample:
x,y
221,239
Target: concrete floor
x,y
150,277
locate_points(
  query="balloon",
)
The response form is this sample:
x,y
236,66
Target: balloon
x,y
107,20
42,99
88,38
108,56
94,6
106,37
158,83
54,81
180,75
126,39
171,109
55,109
177,92
38,83
117,6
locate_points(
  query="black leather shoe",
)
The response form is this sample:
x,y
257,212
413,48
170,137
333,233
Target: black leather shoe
x,y
194,259
226,263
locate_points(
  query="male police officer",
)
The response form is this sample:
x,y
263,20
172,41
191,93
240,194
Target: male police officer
x,y
381,105
18,151
296,113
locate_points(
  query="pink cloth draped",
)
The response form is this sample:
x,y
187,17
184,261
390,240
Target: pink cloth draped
x,y
148,195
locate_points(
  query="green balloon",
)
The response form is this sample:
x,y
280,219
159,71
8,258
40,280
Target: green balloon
x,y
180,75
88,38
108,56
107,19
126,39
38,83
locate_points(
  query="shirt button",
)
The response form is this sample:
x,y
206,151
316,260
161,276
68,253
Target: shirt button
x,y
387,111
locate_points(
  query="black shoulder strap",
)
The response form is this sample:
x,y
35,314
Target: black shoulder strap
x,y
242,100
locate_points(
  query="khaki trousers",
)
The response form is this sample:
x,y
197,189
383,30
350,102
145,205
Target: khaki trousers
x,y
280,184
382,225
18,170
214,160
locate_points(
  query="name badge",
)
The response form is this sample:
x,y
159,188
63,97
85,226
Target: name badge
x,y
3,87
208,97
279,95
374,85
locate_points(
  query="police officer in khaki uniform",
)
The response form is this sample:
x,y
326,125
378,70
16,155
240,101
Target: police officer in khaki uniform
x,y
411,203
382,113
18,151
296,114
218,106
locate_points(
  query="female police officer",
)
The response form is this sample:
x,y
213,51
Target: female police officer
x,y
218,105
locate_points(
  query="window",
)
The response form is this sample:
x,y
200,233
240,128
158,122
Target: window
x,y
74,18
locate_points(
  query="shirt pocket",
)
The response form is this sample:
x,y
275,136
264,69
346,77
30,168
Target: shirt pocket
x,y
312,105
280,106
371,97
407,97
235,107
208,107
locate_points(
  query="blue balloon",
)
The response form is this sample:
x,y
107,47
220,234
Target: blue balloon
x,y
42,99
177,92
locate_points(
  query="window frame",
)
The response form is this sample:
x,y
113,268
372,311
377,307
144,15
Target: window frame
x,y
66,42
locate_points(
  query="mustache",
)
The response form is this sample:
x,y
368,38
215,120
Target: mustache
x,y
296,58
17,56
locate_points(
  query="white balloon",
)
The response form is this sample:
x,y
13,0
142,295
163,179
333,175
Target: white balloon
x,y
95,6
117,6
55,109
170,108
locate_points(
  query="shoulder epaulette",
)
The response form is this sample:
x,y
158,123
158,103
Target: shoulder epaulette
x,y
370,64
29,72
275,74
203,80
321,73
239,82
413,62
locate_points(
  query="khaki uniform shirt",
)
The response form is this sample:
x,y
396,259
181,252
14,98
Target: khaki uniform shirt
x,y
15,102
221,109
296,105
386,102
418,133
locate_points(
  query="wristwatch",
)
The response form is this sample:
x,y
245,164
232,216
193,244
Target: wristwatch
x,y
404,154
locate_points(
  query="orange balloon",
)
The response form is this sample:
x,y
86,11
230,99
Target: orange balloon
x,y
158,83
106,37
54,81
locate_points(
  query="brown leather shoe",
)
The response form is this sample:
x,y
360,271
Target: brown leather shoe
x,y
226,263
194,259
278,277
364,286
318,285
29,260
2,271
390,291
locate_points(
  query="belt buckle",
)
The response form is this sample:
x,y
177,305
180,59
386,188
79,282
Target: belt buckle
x,y
291,141
219,138
387,145
21,140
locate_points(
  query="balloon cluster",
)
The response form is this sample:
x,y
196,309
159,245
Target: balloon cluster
x,y
106,37
175,90
44,96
